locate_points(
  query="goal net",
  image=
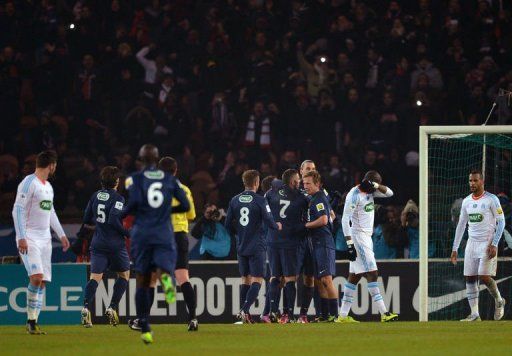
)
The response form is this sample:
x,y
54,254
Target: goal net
x,y
447,155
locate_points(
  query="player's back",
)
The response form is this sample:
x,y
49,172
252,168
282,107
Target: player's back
x,y
246,210
105,210
288,206
150,196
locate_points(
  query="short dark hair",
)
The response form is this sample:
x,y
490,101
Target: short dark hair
x,y
168,164
148,154
315,175
109,176
250,177
266,183
45,158
373,176
288,174
476,171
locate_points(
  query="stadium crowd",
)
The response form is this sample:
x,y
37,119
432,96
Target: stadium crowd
x,y
224,86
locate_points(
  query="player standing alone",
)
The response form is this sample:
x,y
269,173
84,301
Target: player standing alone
x,y
153,247
108,249
246,216
483,214
359,210
33,215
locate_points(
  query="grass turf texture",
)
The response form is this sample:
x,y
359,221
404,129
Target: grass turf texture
x,y
439,338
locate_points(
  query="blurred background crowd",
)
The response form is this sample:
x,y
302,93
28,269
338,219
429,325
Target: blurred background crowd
x,y
228,85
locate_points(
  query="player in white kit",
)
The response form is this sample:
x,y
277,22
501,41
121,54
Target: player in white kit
x,y
483,214
357,224
33,215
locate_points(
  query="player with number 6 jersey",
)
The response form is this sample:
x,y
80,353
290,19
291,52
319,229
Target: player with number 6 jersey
x,y
246,216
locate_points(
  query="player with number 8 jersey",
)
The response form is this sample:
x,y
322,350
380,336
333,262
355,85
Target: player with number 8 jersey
x,y
246,216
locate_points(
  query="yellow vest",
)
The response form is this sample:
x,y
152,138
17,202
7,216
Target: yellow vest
x,y
180,220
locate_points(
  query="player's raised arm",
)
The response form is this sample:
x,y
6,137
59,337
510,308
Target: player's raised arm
x,y
459,231
381,191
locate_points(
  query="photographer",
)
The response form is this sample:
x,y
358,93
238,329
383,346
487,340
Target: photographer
x,y
410,225
216,242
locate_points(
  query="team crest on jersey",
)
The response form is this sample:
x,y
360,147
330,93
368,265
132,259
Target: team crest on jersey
x,y
476,218
46,205
103,196
128,182
320,207
369,207
154,174
245,198
499,211
475,205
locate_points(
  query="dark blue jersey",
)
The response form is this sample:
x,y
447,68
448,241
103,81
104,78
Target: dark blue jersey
x,y
319,206
105,210
248,213
150,196
288,206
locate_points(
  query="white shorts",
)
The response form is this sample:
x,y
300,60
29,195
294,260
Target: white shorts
x,y
365,261
38,259
476,262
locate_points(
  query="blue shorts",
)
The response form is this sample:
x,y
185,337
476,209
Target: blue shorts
x,y
116,260
253,265
324,261
283,261
305,258
148,257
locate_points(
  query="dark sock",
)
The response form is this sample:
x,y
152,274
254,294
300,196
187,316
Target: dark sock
x,y
252,294
244,288
285,301
266,309
333,307
275,293
325,307
151,296
90,291
119,289
143,306
189,294
318,303
290,292
307,295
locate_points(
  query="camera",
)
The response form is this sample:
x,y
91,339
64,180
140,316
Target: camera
x,y
412,218
215,214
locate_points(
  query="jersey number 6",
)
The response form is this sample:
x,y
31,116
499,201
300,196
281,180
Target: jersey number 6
x,y
155,196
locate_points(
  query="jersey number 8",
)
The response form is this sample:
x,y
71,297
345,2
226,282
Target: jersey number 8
x,y
155,196
244,216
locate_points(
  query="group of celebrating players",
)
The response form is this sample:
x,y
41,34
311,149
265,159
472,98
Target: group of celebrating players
x,y
291,226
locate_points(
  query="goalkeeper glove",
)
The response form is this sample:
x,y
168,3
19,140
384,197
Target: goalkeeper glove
x,y
352,254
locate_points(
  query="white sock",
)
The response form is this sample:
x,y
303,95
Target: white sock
x,y
472,293
348,297
373,288
495,292
40,296
32,302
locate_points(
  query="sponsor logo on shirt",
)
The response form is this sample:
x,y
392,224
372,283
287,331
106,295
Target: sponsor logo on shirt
x,y
154,174
46,204
103,196
476,218
245,198
369,207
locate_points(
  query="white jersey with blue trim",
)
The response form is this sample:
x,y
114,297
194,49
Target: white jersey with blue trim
x,y
33,210
484,217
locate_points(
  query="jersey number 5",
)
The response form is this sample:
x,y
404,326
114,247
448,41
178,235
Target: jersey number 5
x,y
155,196
244,216
101,214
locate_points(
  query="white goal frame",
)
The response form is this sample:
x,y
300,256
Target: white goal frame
x,y
425,131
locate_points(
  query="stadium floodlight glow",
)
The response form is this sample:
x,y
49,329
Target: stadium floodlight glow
x,y
483,139
419,103
71,26
323,59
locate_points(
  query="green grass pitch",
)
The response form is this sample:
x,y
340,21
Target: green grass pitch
x,y
412,338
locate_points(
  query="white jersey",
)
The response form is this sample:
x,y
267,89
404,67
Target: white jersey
x,y
33,211
484,217
359,211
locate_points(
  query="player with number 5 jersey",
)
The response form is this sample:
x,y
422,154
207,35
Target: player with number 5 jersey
x,y
247,214
153,246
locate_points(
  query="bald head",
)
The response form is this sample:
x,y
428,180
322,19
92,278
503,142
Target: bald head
x,y
148,154
373,176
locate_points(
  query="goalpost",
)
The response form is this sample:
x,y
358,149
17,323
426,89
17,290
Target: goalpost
x,y
447,154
